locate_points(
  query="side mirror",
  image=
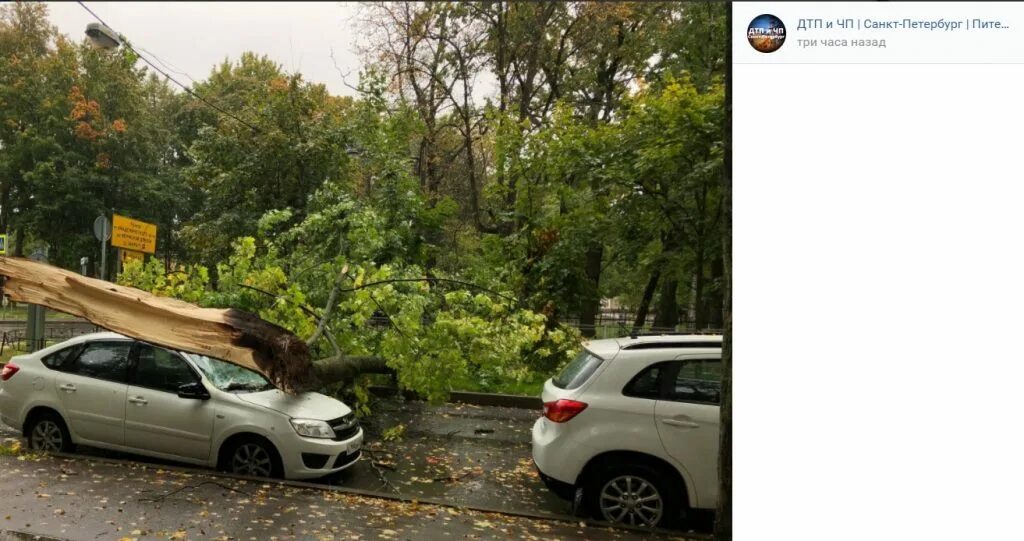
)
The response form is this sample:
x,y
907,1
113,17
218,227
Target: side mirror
x,y
193,390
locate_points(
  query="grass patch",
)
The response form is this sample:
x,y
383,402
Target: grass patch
x,y
532,386
20,313
10,352
10,448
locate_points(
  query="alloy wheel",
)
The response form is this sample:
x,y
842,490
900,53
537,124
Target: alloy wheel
x,y
251,459
46,436
632,500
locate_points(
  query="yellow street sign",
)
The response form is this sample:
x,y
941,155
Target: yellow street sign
x,y
3,244
127,255
133,235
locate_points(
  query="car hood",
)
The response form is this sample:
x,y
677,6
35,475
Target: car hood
x,y
304,405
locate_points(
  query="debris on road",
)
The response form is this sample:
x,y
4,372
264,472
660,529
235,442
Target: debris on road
x,y
116,501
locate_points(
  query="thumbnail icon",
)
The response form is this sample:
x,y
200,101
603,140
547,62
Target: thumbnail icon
x,y
766,33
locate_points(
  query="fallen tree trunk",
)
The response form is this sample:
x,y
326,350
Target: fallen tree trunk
x,y
344,369
233,335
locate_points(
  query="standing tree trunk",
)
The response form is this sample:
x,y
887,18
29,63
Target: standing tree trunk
x,y
591,304
19,242
5,207
645,302
667,316
723,516
700,310
716,302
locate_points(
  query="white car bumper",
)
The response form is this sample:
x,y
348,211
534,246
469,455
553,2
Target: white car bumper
x,y
8,413
551,456
310,458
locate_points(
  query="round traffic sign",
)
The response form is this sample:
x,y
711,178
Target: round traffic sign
x,y
101,228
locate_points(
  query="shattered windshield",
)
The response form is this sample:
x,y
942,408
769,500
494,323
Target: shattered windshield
x,y
228,376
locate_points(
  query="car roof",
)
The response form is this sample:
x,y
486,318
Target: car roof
x,y
609,347
103,335
92,337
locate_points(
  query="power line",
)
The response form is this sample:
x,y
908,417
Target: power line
x,y
188,90
170,67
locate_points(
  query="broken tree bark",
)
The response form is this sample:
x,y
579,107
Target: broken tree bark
x,y
233,335
345,369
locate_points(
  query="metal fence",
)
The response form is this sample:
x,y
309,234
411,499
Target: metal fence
x,y
617,324
605,326
623,329
16,340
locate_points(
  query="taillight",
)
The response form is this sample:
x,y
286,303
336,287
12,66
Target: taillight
x,y
9,370
562,410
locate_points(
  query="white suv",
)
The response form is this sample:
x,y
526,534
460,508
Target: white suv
x,y
109,391
633,422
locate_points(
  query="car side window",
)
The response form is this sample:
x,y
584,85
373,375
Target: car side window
x,y
160,369
648,382
62,358
104,360
697,380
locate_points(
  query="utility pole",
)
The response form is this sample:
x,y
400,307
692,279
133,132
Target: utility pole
x,y
101,229
35,333
103,260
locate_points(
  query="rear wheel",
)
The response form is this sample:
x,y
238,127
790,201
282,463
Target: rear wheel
x,y
47,432
637,495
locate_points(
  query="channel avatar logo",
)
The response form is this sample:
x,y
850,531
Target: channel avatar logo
x,y
766,33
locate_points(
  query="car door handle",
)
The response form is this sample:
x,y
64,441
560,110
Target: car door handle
x,y
680,423
68,388
138,400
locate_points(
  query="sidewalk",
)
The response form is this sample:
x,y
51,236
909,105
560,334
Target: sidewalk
x,y
91,499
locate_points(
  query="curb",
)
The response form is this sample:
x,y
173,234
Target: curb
x,y
466,397
555,517
18,535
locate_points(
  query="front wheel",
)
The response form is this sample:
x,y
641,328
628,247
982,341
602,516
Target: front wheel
x,y
636,495
47,432
254,457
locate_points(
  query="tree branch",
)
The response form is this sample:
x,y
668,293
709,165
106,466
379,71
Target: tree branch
x,y
328,309
303,307
429,279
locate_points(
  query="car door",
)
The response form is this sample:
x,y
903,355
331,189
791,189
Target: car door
x,y
687,418
157,419
92,389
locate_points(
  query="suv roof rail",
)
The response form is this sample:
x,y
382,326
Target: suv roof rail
x,y
673,345
636,334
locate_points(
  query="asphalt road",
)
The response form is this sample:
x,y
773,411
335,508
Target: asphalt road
x,y
85,499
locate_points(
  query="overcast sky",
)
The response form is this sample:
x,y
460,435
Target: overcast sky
x,y
192,37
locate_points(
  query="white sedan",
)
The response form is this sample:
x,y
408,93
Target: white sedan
x,y
105,390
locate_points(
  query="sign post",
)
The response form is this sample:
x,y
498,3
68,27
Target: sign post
x,y
35,334
101,228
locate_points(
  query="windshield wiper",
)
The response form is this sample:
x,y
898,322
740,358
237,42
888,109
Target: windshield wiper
x,y
247,386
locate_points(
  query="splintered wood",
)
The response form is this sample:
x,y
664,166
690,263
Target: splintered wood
x,y
233,335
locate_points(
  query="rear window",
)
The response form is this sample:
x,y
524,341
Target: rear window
x,y
578,371
60,359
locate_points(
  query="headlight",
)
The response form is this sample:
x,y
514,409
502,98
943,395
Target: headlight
x,y
312,428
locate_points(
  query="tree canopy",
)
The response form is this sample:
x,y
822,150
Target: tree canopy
x,y
464,236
